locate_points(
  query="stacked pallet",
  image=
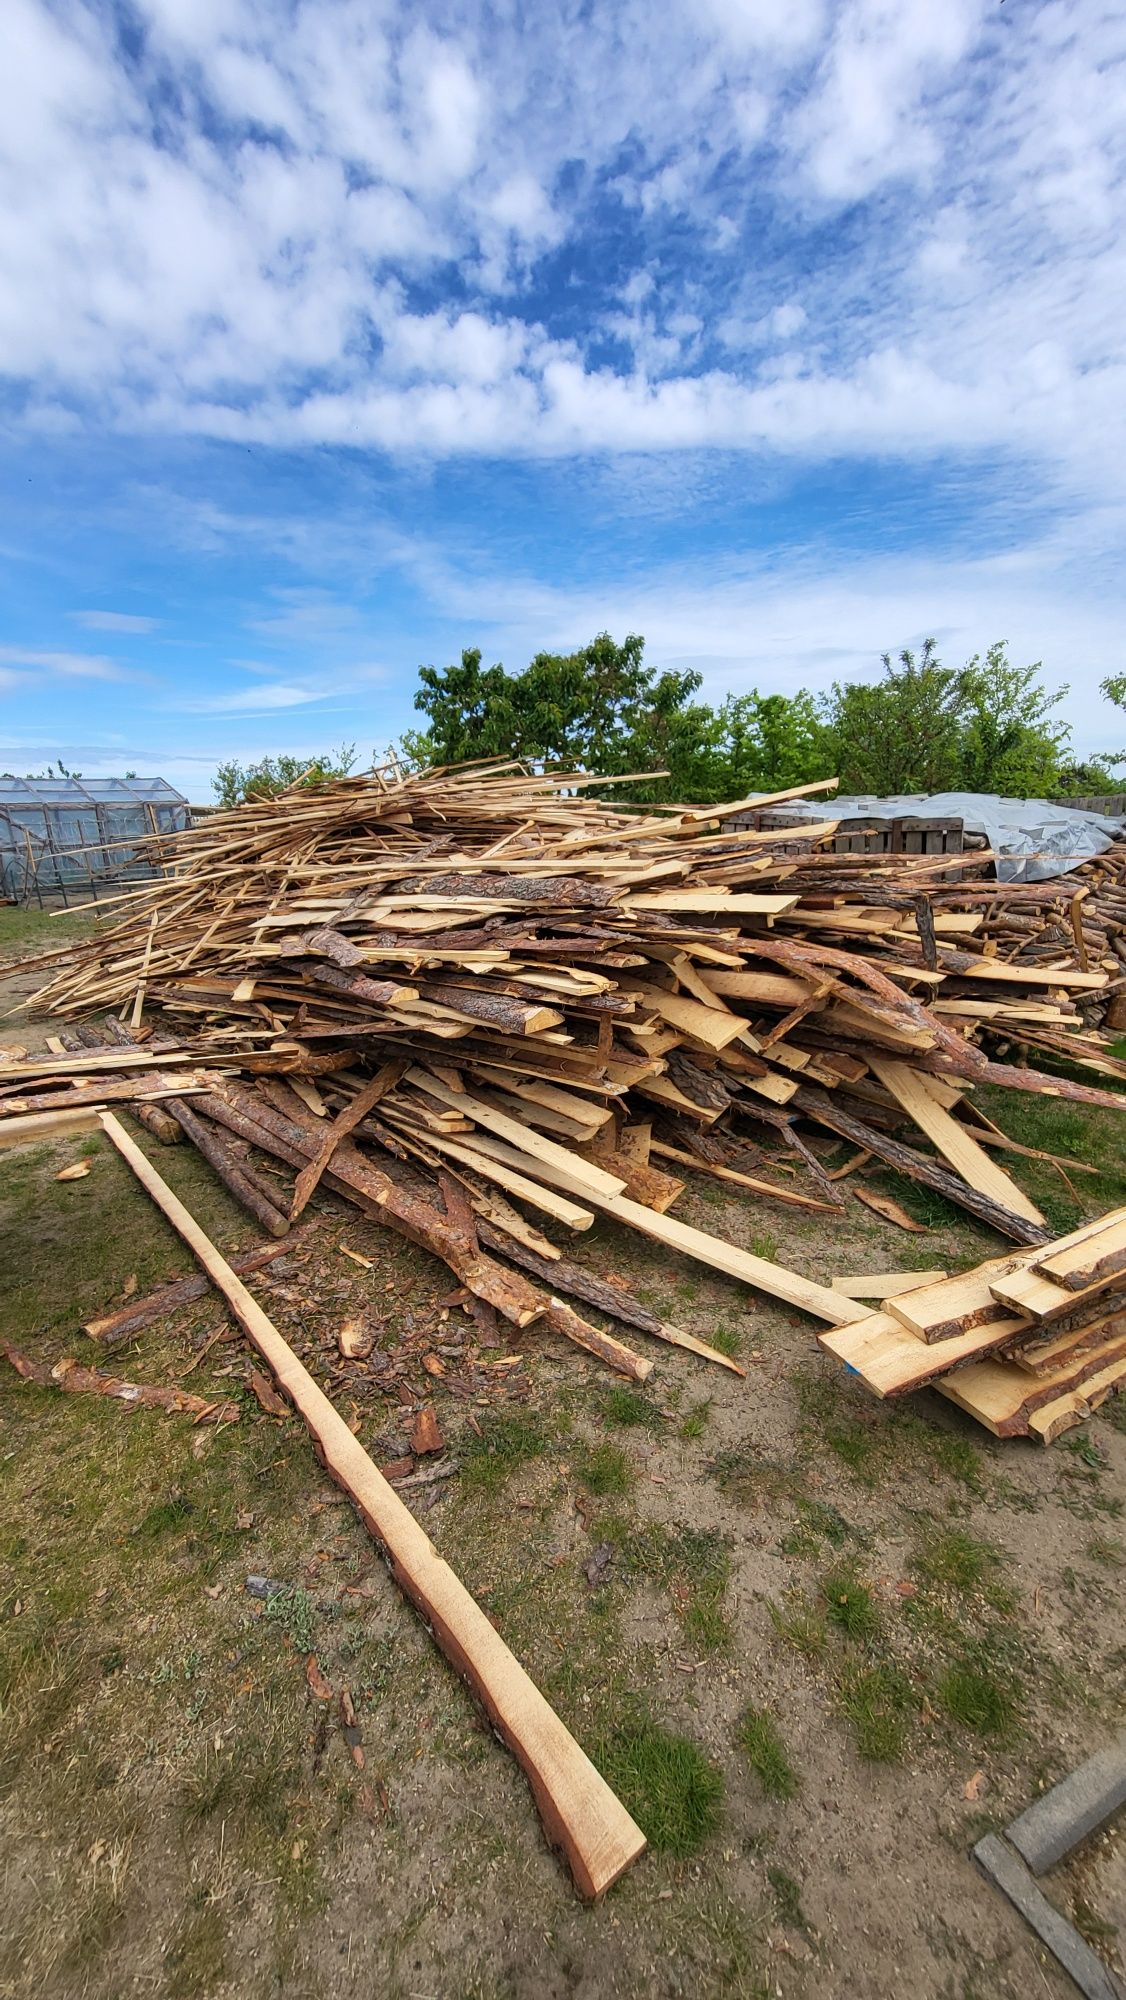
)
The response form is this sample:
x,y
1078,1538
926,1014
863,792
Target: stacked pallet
x,y
485,1005
1029,1344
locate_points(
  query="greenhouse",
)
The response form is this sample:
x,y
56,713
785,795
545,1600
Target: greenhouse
x,y
77,838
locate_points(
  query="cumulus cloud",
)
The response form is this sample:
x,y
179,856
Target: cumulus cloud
x,y
779,226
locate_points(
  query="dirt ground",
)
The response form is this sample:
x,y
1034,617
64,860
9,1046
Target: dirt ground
x,y
820,1644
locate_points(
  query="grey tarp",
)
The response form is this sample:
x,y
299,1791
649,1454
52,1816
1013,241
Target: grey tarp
x,y
1032,839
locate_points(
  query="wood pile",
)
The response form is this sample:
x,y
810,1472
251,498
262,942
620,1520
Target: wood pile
x,y
483,1004
1028,1344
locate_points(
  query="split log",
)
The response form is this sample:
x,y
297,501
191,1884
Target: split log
x,y
825,1110
71,1375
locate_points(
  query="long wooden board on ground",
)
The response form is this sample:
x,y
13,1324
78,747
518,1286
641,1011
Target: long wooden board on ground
x,y
579,1811
774,1279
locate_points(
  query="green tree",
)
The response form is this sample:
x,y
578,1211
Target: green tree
x,y
901,733
1114,688
234,783
592,709
1010,743
771,741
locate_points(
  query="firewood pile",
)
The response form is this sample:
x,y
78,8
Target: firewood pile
x,y
484,1005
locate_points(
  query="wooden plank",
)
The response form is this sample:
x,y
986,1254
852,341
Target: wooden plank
x,y
715,901
1042,1356
717,1172
1026,1289
1088,1263
508,1177
521,1136
1003,1399
765,1276
35,1126
996,971
1076,1405
710,1025
762,989
886,1284
345,1121
892,1361
579,1811
910,1090
954,1305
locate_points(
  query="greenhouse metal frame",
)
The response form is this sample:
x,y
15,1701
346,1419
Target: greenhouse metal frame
x,y
77,837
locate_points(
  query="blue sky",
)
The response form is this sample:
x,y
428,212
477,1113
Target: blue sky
x,y
337,336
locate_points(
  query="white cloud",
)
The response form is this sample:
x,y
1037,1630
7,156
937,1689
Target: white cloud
x,y
114,621
72,666
258,699
884,227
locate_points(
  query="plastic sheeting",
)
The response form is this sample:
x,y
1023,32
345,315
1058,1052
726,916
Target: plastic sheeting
x,y
1031,839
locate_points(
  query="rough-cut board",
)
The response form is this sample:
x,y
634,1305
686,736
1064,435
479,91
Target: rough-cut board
x,y
36,1126
579,1811
790,1196
1003,1398
712,901
892,1361
911,1089
1065,1411
774,1279
956,1304
1104,1256
706,1024
887,1284
592,1178
1041,1298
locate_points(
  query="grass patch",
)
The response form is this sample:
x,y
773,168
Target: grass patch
x,y
850,1605
252,1782
759,1739
877,1701
800,1627
164,1516
293,1610
955,1560
787,1899
630,1411
726,1340
816,1524
695,1421
666,1782
604,1470
508,1440
850,1435
978,1699
694,1565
